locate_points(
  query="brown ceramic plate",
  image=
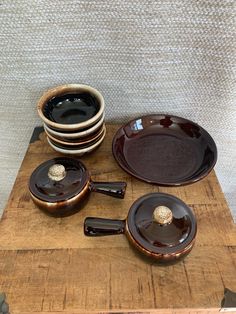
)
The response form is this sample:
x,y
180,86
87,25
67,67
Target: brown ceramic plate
x,y
164,150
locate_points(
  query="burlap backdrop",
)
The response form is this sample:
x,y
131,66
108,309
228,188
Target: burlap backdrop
x,y
167,56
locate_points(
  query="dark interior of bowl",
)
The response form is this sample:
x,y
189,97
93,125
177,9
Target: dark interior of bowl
x,y
165,150
71,108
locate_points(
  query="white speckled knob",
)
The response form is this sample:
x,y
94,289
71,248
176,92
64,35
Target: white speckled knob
x,y
162,215
57,172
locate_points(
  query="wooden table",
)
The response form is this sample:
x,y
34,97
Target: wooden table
x,y
47,265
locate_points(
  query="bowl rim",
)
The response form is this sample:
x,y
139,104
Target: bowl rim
x,y
62,90
159,182
81,142
76,134
78,151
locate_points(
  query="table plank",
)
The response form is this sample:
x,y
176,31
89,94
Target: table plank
x,y
97,279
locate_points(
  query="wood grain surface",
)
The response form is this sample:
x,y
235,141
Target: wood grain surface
x,y
47,265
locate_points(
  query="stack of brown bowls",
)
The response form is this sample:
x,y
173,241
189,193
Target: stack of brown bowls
x,y
73,117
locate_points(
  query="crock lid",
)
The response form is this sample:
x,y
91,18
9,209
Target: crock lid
x,y
161,223
58,179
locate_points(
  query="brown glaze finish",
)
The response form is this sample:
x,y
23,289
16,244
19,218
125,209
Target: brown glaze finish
x,y
76,144
74,141
76,151
64,193
102,227
64,208
76,135
164,150
163,242
66,122
47,190
116,189
71,108
162,258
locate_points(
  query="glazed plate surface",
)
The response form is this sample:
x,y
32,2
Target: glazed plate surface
x,y
164,150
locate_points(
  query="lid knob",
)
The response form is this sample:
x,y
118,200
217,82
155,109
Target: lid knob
x,y
162,215
57,172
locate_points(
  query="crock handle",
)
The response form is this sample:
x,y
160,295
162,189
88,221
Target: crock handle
x,y
115,189
94,227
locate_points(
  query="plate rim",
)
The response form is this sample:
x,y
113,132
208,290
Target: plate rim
x,y
167,184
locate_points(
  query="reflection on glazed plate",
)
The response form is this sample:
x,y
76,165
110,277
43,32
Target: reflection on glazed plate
x,y
164,150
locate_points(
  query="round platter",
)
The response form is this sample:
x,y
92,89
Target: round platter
x,y
164,150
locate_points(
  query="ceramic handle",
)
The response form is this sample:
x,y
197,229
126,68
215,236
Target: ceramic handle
x,y
94,227
115,189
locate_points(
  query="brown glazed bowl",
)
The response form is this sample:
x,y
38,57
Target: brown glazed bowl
x,y
60,186
79,135
71,107
75,150
159,225
76,142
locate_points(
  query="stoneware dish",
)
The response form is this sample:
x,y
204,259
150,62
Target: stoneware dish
x,y
75,135
71,107
77,142
61,185
159,225
165,150
77,151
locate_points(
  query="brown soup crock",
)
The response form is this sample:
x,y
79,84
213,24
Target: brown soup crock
x,y
159,225
60,186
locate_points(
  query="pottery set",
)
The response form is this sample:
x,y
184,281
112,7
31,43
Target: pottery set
x,y
73,117
159,149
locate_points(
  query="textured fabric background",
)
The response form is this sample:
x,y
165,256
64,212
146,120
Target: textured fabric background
x,y
167,56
